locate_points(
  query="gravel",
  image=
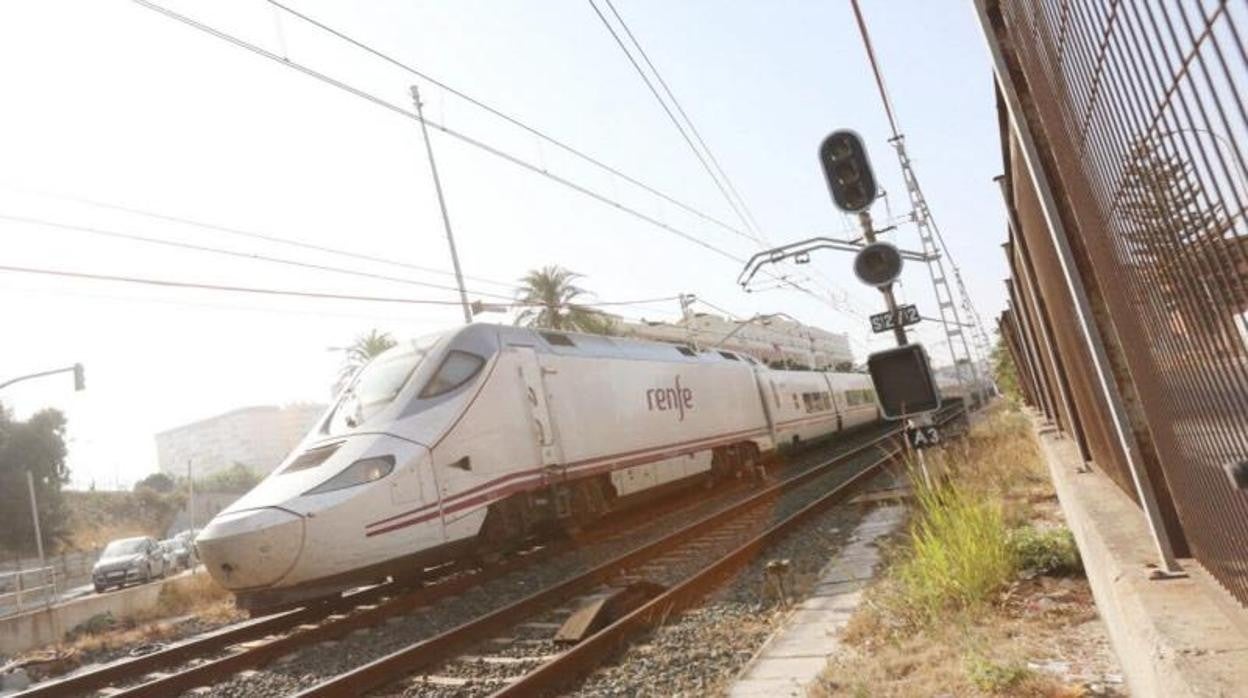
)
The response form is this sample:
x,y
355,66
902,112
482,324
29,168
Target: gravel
x,y
313,665
706,645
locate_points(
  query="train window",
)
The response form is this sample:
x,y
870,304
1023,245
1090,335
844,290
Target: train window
x,y
557,339
686,351
729,356
457,368
377,384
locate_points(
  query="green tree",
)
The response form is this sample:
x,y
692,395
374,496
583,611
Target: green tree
x,y
157,482
1004,371
549,295
38,446
360,352
236,478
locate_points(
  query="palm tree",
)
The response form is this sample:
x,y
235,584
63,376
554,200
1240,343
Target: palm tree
x,y
549,296
360,352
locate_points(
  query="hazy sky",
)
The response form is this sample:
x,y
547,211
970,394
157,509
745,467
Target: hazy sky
x,y
107,101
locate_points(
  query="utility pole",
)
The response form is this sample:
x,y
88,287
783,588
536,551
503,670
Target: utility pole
x,y
446,219
190,483
34,514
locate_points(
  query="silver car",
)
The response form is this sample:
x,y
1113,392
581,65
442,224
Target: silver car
x,y
129,561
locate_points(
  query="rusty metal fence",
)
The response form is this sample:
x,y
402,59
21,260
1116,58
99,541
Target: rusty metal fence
x,y
1123,125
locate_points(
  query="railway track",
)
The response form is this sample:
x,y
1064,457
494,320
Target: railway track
x,y
510,651
215,657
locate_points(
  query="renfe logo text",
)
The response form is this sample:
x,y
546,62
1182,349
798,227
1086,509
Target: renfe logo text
x,y
664,399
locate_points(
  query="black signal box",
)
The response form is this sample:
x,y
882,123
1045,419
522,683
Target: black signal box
x,y
903,380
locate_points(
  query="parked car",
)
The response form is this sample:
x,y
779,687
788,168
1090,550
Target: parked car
x,y
187,539
177,553
129,561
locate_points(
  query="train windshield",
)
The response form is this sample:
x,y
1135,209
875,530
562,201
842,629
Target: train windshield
x,y
378,384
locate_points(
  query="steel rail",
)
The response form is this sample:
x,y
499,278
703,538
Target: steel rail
x,y
438,649
217,670
577,662
358,605
217,640
185,650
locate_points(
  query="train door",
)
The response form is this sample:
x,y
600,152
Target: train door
x,y
533,378
770,396
840,417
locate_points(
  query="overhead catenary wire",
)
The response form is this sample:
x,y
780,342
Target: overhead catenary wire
x,y
508,118
462,137
295,293
749,219
702,159
267,237
708,161
254,256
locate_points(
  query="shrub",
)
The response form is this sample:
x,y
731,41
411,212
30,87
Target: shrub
x,y
960,554
96,624
1050,551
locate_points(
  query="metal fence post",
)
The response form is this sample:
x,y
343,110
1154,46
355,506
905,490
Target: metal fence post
x,y
1083,312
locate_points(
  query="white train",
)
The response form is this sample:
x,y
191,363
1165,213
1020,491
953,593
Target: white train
x,y
473,439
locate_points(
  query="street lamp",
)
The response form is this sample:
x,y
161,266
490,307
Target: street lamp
x,y
80,381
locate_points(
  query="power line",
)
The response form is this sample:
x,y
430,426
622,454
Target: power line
x,y
507,117
219,287
675,122
378,101
710,160
749,215
268,237
133,237
168,283
310,72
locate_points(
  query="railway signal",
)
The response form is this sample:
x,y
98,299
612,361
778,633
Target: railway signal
x,y
904,385
848,170
878,264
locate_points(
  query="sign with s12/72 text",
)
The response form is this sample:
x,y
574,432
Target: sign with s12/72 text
x,y
885,321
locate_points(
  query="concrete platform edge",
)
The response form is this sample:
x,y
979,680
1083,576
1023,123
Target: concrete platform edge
x,y
1173,637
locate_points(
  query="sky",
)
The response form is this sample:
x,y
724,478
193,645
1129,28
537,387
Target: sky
x,y
114,112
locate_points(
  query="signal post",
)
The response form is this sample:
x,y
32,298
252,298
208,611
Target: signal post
x,y
902,376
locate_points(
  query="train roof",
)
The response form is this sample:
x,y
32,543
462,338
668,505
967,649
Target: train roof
x,y
579,344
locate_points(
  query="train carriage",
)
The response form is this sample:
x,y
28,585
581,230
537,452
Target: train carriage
x,y
470,441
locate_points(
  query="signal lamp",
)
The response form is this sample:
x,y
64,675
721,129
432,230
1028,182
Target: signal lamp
x,y
878,264
848,171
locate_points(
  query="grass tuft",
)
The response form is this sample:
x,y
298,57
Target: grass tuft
x,y
996,678
959,553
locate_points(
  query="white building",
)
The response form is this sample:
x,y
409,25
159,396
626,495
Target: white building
x,y
771,338
257,437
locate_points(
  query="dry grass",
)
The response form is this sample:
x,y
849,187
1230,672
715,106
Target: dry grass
x,y
194,594
963,608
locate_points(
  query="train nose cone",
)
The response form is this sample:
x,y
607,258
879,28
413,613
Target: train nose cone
x,y
253,548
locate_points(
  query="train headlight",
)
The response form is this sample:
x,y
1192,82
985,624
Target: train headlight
x,y
360,472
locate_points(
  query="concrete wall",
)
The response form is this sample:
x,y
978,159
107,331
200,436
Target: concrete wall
x,y
26,631
1174,637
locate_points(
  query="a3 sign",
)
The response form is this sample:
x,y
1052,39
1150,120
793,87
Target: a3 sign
x,y
885,321
922,437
